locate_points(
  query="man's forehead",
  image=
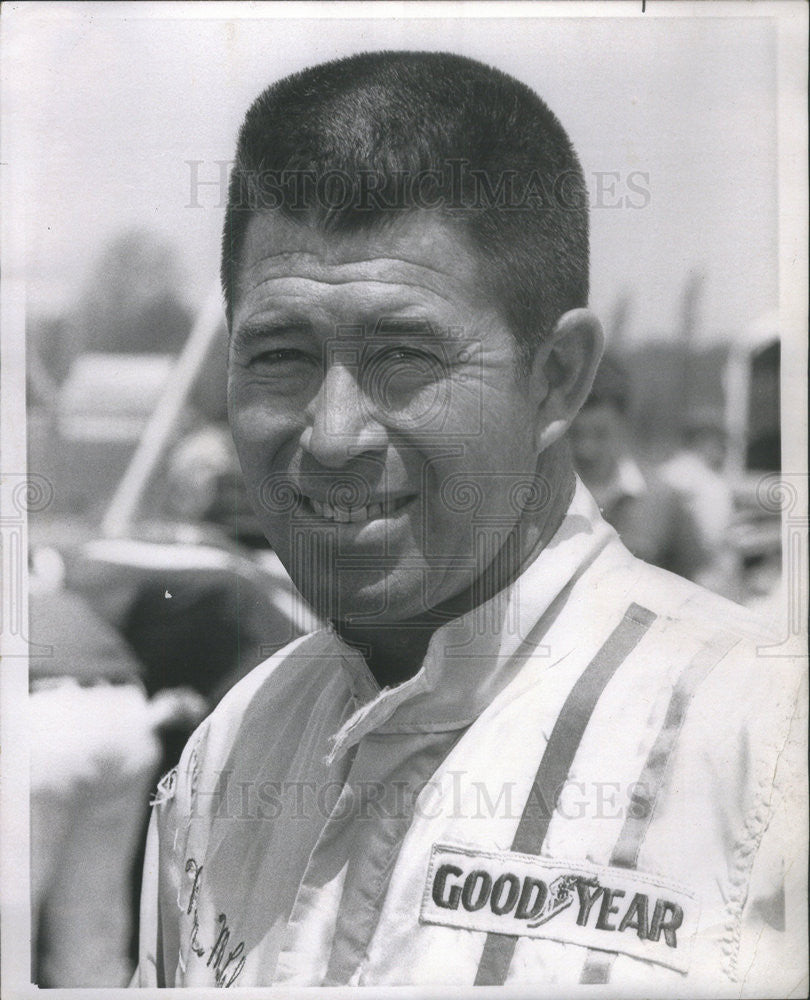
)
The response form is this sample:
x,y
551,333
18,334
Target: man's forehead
x,y
416,248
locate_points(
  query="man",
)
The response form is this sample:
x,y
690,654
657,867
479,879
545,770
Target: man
x,y
651,518
516,754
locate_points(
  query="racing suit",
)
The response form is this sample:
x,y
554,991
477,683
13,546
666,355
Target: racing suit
x,y
586,782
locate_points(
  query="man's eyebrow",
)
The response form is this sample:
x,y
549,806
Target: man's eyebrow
x,y
395,325
263,329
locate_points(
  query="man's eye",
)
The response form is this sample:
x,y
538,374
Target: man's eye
x,y
281,358
405,354
284,369
406,358
394,376
405,366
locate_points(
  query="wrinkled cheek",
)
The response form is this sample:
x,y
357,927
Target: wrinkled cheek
x,y
268,488
250,416
263,436
447,532
475,517
249,453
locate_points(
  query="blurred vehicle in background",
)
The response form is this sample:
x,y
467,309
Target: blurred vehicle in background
x,y
752,382
102,409
752,390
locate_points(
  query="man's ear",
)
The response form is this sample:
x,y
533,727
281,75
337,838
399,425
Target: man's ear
x,y
562,373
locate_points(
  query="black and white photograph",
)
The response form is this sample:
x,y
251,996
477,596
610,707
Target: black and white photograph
x,y
403,506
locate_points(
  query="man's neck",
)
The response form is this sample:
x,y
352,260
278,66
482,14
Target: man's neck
x,y
394,652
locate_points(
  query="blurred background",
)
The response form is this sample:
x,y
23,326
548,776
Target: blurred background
x,y
152,590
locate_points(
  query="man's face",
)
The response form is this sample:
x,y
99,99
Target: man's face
x,y
385,434
597,441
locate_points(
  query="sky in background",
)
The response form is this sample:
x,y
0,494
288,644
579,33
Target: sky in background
x,y
104,110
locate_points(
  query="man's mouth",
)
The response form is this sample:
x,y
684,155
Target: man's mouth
x,y
354,515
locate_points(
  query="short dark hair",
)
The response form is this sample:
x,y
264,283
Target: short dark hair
x,y
395,131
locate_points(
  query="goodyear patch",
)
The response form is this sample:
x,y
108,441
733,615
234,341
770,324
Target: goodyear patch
x,y
612,909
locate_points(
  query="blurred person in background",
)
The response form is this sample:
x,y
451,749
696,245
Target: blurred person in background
x,y
95,752
695,473
648,514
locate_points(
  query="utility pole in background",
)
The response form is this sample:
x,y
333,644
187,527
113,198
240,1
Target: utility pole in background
x,y
691,303
616,327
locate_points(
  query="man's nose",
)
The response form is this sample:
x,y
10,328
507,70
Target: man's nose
x,y
340,425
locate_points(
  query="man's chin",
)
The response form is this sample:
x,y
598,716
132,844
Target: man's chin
x,y
360,600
